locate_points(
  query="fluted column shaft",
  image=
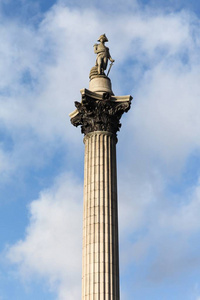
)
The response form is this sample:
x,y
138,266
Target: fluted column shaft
x,y
100,270
99,115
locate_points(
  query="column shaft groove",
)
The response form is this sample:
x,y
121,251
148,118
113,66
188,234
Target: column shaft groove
x,y
100,271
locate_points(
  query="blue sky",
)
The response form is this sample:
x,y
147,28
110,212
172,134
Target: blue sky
x,y
45,57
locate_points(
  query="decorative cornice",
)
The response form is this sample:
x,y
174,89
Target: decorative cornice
x,y
99,112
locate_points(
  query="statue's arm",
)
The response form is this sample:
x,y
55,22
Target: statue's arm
x,y
109,56
95,48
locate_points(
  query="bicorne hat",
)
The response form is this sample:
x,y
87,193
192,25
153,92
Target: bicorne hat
x,y
104,37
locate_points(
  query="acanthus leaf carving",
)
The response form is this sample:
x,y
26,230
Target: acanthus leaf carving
x,y
99,113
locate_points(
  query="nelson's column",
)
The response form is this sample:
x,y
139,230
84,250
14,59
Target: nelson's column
x,y
99,114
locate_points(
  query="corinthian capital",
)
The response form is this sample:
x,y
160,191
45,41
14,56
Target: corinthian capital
x,y
99,112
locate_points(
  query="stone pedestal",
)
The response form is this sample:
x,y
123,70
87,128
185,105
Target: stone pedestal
x,y
99,115
100,84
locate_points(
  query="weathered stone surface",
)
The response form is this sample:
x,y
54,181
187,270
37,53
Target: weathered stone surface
x,y
99,112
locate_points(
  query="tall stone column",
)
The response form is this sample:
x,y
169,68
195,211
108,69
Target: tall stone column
x,y
99,115
100,219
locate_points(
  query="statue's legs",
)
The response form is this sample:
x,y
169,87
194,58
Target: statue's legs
x,y
99,63
105,62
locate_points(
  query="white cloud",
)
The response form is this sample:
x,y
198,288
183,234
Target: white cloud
x,y
169,109
52,245
44,68
185,218
161,59
152,222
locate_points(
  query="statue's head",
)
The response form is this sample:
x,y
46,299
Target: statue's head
x,y
103,37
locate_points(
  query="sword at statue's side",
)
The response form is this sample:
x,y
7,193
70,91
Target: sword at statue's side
x,y
110,68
